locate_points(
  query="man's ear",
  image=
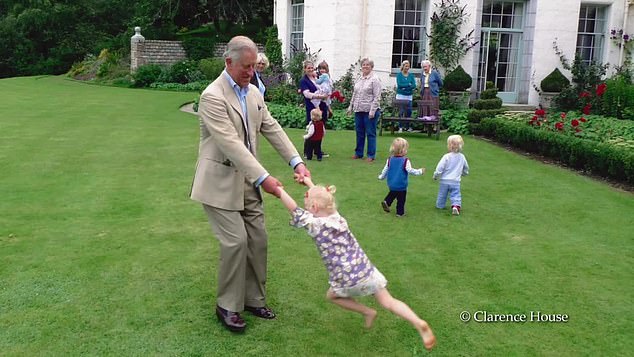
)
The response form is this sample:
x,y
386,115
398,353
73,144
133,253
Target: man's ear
x,y
228,61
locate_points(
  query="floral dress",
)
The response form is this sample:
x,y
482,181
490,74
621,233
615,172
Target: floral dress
x,y
347,264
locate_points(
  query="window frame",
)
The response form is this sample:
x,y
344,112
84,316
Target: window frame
x,y
596,36
419,10
296,26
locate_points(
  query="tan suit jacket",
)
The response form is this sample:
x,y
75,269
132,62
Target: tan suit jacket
x,y
224,161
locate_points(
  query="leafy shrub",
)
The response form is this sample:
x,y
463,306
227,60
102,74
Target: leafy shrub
x,y
289,116
147,74
345,85
293,116
600,158
494,103
554,82
198,48
618,99
456,121
295,65
284,94
457,80
273,47
340,120
182,72
197,86
475,116
211,67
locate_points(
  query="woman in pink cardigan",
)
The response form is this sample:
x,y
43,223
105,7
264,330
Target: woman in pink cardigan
x,y
365,105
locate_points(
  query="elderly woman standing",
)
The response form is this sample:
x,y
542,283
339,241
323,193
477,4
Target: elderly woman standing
x,y
365,105
260,66
430,85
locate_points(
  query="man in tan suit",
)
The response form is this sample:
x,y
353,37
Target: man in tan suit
x,y
228,180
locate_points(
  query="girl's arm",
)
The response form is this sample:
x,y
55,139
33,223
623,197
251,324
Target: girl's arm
x,y
287,200
308,182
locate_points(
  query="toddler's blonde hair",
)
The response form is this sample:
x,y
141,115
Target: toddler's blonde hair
x,y
322,197
399,147
315,114
455,143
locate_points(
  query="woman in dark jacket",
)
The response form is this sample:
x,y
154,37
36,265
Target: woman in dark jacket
x,y
307,88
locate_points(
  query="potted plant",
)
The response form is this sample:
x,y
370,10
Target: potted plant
x,y
551,86
457,83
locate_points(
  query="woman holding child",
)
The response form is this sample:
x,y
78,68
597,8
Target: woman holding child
x,y
309,89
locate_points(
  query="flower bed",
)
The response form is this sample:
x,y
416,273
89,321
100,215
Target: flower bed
x,y
602,146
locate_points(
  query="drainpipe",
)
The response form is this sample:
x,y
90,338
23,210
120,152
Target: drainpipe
x,y
625,14
364,30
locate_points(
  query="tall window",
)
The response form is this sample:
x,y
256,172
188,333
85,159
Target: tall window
x,y
297,25
408,42
590,36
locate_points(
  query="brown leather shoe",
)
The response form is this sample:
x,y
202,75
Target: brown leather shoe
x,y
231,320
370,160
354,157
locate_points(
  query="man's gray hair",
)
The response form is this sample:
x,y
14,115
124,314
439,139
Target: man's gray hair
x,y
425,63
237,46
368,61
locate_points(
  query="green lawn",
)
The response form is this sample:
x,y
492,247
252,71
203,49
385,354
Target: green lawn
x,y
103,253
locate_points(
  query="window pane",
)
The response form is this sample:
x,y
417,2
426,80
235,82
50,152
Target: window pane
x,y
590,35
408,36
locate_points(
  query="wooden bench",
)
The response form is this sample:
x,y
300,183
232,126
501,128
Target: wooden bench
x,y
425,118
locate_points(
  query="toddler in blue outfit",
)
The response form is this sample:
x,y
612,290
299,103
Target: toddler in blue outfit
x,y
396,170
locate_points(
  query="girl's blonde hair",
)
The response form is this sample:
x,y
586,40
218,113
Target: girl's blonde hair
x,y
315,114
399,147
455,143
322,197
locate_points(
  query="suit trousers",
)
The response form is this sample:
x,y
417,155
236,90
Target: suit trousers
x,y
243,252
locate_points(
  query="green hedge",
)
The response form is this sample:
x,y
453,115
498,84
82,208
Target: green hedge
x,y
599,158
494,103
292,116
475,116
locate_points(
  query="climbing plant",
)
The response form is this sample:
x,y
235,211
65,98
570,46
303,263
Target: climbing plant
x,y
447,47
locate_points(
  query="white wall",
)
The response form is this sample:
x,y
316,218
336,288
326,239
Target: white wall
x,y
347,30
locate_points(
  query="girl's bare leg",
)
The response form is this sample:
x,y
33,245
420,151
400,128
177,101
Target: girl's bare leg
x,y
401,309
353,305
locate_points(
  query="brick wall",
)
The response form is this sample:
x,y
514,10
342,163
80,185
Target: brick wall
x,y
161,52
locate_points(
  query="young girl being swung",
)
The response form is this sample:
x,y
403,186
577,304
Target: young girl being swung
x,y
350,272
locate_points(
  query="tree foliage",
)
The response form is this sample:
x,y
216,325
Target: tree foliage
x,y
48,36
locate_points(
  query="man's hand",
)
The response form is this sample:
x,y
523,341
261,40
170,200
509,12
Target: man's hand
x,y
272,185
301,172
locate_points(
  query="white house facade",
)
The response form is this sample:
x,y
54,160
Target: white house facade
x,y
516,38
